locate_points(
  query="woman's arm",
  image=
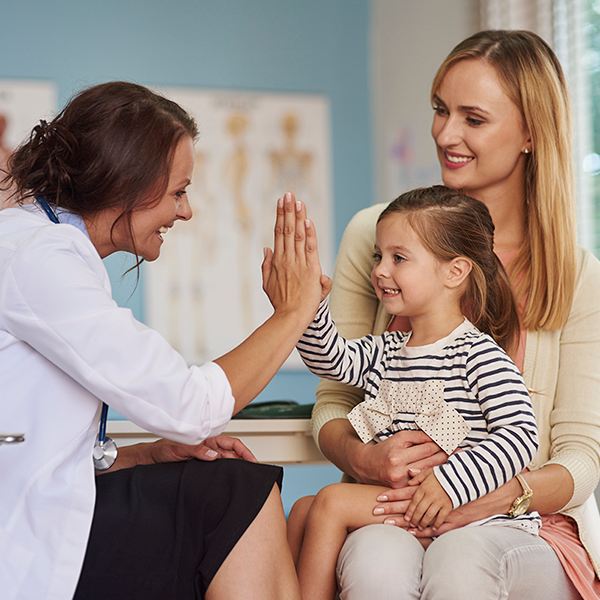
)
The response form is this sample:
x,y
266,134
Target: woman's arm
x,y
552,487
575,413
59,303
386,463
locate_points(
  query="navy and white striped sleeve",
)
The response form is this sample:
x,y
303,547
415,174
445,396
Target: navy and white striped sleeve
x,y
512,441
329,355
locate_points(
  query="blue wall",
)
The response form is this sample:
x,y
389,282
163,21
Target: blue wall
x,y
316,46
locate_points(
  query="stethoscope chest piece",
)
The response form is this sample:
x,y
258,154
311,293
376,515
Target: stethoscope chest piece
x,y
105,450
104,454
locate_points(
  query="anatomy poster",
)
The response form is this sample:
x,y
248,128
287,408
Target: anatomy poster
x,y
204,293
22,104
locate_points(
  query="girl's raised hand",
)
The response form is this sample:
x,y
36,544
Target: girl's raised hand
x,y
292,276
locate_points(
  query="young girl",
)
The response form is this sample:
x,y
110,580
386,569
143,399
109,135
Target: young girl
x,y
434,263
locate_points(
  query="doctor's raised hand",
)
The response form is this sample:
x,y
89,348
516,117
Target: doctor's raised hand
x,y
292,276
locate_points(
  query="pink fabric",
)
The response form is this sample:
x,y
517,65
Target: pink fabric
x,y
561,533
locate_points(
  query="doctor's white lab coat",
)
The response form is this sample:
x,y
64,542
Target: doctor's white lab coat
x,y
65,346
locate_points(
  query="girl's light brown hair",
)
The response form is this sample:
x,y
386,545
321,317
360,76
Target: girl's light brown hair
x,y
453,225
531,76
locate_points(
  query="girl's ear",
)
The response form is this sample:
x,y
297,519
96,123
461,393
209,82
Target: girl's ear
x,y
459,270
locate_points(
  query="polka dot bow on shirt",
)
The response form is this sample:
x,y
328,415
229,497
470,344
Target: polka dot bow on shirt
x,y
414,403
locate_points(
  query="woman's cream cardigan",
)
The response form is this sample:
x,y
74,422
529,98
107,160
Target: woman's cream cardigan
x,y
561,370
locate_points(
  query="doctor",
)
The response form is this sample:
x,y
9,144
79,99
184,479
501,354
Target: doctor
x,y
109,174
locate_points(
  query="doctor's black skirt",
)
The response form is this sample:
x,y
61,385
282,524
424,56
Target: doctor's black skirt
x,y
162,531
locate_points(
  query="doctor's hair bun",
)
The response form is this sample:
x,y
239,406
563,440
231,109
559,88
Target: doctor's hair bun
x,y
111,146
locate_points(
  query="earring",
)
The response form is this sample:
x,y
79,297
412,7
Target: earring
x,y
526,150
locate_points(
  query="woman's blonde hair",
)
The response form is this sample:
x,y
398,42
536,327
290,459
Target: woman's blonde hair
x,y
533,79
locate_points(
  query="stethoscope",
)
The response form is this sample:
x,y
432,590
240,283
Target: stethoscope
x,y
105,450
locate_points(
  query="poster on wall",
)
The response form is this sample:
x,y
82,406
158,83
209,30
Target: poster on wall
x,y
405,167
22,104
205,293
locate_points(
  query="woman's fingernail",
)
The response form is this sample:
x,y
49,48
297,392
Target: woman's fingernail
x,y
280,202
298,206
264,253
307,223
389,522
288,197
378,511
211,453
382,498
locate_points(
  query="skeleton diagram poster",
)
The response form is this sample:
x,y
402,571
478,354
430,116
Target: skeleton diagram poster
x,y
22,105
204,293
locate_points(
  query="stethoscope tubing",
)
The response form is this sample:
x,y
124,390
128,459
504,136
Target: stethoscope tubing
x,y
103,419
107,447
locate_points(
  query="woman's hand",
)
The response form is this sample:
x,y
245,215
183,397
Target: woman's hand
x,y
292,276
497,502
552,487
221,446
387,463
463,515
395,503
163,451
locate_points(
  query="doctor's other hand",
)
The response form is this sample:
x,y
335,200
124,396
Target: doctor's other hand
x,y
221,446
292,276
164,451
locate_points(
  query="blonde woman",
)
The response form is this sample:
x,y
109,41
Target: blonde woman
x,y
502,128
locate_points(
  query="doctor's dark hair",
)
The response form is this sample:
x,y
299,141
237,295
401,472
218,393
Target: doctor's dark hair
x,y
451,224
111,146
